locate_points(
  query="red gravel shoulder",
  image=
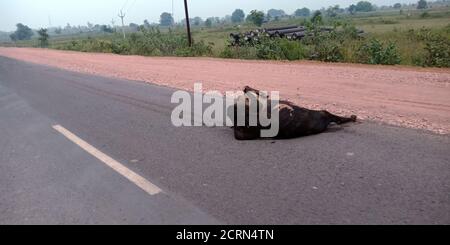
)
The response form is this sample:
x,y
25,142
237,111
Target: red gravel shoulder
x,y
402,96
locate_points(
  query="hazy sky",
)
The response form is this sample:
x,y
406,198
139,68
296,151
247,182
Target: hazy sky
x,y
38,13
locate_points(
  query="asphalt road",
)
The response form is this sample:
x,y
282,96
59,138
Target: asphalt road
x,y
359,174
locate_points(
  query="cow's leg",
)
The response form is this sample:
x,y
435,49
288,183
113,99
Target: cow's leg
x,y
340,120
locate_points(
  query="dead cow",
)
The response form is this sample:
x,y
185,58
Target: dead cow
x,y
294,121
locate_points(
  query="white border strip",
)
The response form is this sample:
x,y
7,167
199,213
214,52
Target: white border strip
x,y
138,180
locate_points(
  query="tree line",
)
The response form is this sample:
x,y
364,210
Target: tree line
x,y
256,17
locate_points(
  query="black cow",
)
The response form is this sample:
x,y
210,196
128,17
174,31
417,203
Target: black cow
x,y
295,121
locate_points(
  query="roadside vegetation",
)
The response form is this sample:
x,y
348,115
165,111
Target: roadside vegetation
x,y
147,42
417,35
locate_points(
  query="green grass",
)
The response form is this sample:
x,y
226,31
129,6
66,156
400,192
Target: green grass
x,y
398,27
388,26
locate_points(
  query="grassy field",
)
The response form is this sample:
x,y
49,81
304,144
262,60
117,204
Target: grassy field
x,y
384,25
413,32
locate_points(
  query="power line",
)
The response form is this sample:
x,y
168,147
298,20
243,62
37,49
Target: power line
x,y
173,14
131,6
124,5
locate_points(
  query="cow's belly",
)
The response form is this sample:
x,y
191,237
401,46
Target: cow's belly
x,y
297,122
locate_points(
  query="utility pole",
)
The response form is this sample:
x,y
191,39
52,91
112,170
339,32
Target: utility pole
x,y
173,15
113,23
188,25
121,16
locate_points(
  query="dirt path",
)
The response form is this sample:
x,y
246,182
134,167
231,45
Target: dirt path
x,y
402,96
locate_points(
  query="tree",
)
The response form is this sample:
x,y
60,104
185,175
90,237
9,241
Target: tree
x,y
90,26
352,9
166,19
317,17
304,12
23,32
209,22
422,4
364,6
226,19
197,21
333,11
276,13
238,16
146,24
58,30
397,5
134,26
256,17
43,37
106,29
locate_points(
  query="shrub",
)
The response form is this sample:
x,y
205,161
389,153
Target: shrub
x,y
423,34
418,60
147,42
73,45
88,45
102,46
327,46
437,49
120,46
274,49
292,50
236,52
197,49
96,45
269,49
328,51
153,42
376,52
425,15
349,32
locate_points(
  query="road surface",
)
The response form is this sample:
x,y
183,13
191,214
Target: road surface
x,y
360,174
410,97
